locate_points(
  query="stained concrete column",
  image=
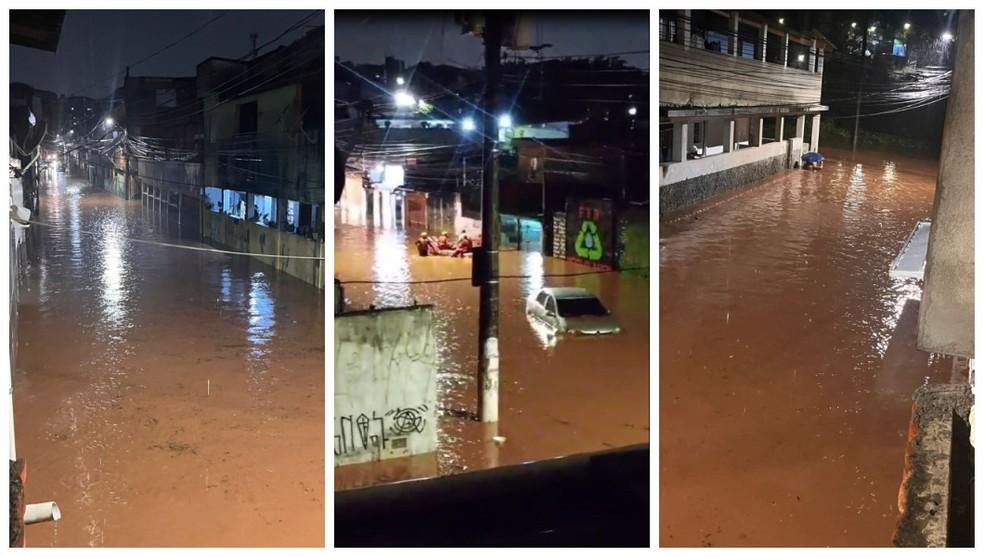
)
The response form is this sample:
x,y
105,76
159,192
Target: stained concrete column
x,y
681,141
780,123
683,28
733,37
785,50
800,126
765,40
728,136
946,312
755,131
815,133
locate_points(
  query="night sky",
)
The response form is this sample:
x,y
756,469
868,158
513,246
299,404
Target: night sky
x,y
368,37
97,45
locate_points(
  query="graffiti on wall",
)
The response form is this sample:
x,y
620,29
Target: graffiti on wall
x,y
373,432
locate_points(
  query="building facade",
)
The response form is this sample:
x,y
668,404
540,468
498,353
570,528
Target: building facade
x,y
739,100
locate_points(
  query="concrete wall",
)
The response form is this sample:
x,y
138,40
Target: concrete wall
x,y
385,384
740,82
239,235
946,314
688,183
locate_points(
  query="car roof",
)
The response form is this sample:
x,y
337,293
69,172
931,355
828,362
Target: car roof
x,y
568,292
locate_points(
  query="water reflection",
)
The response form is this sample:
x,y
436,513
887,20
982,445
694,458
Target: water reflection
x,y
262,317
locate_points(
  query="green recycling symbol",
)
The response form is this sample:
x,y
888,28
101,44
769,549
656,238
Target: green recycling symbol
x,y
588,244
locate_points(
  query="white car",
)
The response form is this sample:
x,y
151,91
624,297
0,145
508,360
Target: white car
x,y
571,310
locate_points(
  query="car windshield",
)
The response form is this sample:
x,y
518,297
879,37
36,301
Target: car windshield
x,y
574,307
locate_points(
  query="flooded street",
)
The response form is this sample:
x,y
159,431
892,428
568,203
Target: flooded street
x,y
164,397
557,396
787,358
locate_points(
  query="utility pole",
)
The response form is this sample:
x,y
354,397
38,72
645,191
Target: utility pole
x,y
857,111
488,309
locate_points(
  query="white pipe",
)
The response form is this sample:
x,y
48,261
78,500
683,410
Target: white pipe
x,y
41,512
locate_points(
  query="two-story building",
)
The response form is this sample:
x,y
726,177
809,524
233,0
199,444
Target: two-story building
x,y
739,100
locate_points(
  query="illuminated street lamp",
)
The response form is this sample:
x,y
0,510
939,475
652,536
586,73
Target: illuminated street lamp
x,y
871,29
400,80
633,111
108,122
505,121
854,24
801,57
404,99
907,26
782,20
468,124
947,36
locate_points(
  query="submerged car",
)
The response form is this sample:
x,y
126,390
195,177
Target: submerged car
x,y
571,310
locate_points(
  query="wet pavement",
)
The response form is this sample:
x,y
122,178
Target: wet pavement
x,y
788,359
557,397
164,397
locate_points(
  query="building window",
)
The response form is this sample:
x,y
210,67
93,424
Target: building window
x,y
213,199
667,28
293,215
747,41
799,56
774,49
248,117
264,211
234,203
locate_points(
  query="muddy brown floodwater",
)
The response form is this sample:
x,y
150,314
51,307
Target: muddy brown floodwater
x,y
164,397
788,359
557,396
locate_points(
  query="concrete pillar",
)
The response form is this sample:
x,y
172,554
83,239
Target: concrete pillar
x,y
785,50
755,131
681,141
801,126
728,136
812,55
946,312
733,36
780,123
819,61
765,40
815,133
703,138
683,28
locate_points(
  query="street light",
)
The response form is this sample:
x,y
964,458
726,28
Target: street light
x,y
400,80
633,111
907,26
505,121
801,57
854,24
947,36
468,124
871,29
108,122
782,20
404,99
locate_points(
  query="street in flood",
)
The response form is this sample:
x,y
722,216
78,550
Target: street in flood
x,y
560,395
788,357
167,278
166,396
816,265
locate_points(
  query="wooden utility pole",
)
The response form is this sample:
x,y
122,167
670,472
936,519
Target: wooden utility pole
x,y
488,309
